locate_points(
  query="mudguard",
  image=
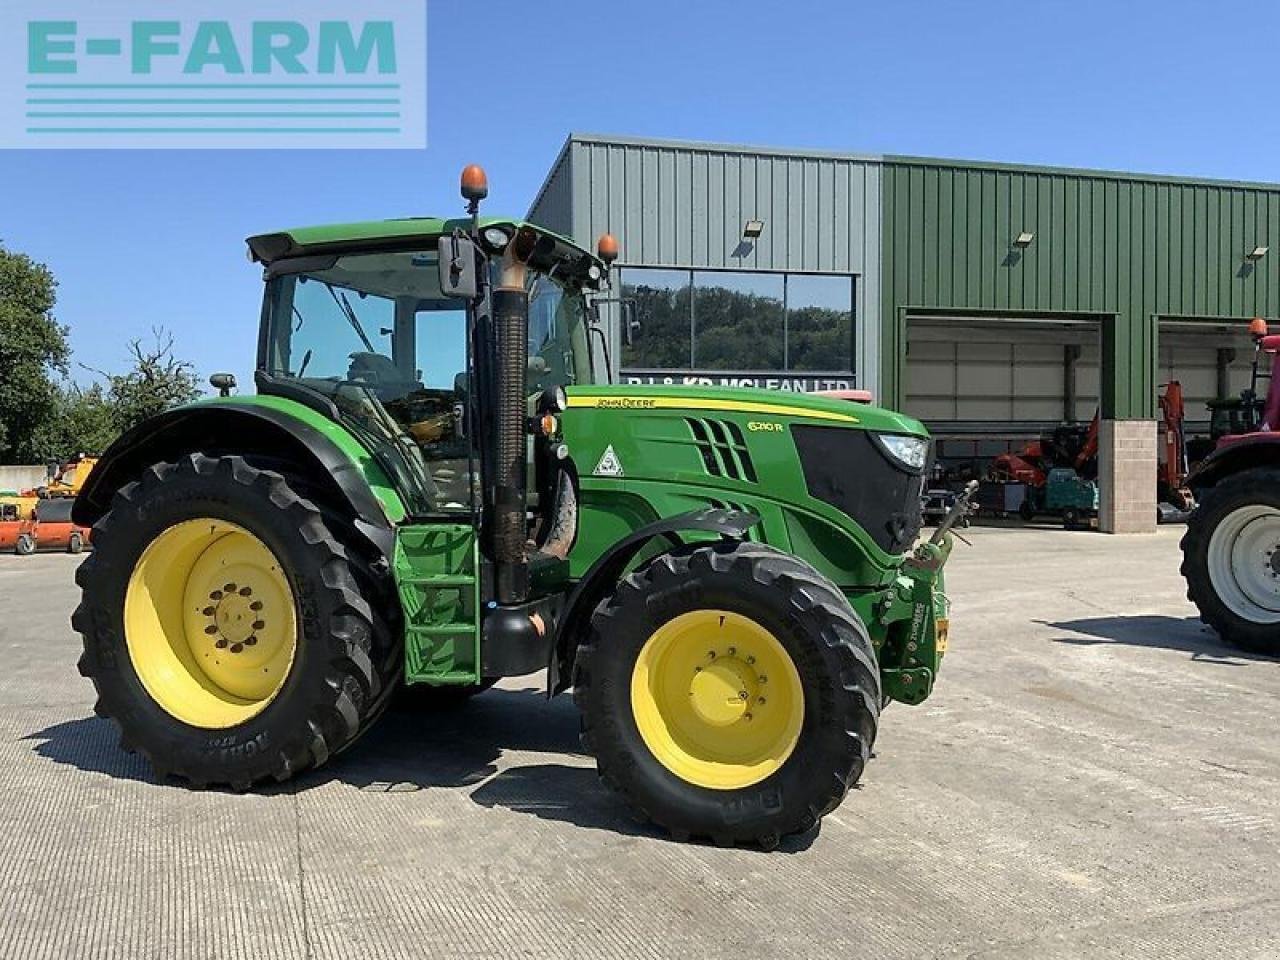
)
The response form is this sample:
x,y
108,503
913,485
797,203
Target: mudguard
x,y
1235,454
602,575
235,428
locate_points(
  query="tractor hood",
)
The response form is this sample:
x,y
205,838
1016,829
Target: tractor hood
x,y
549,250
768,404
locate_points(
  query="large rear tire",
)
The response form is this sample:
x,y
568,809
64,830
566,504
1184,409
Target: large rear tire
x,y
729,693
1231,559
225,628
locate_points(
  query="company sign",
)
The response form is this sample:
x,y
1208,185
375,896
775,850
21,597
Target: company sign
x,y
213,74
787,382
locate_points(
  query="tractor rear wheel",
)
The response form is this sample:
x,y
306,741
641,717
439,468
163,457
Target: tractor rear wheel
x,y
1231,559
729,692
224,625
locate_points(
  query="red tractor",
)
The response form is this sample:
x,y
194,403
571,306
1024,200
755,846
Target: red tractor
x,y
1231,551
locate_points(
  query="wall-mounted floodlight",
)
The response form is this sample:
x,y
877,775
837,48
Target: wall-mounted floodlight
x,y
1024,239
752,229
1257,253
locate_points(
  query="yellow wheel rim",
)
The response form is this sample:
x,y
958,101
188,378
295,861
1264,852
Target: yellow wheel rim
x,y
209,622
717,699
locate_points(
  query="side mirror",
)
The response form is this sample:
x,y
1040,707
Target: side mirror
x,y
630,323
458,275
224,383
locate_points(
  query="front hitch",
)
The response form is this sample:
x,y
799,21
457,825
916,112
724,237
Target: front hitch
x,y
910,664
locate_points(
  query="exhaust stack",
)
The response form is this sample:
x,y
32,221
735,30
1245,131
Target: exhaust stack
x,y
510,483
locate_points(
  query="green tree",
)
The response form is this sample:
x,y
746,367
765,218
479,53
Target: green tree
x,y
33,350
82,422
155,382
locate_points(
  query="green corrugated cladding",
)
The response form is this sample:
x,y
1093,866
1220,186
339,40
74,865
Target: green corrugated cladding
x,y
1128,249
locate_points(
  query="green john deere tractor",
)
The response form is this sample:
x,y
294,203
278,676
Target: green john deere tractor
x,y
429,489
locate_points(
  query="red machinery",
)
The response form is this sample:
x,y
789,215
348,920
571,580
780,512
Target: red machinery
x,y
1031,464
1231,552
50,527
1172,467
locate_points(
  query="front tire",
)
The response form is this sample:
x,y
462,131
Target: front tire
x,y
661,686
25,546
1231,559
224,629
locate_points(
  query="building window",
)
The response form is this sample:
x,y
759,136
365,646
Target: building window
x,y
663,306
738,321
819,323
743,321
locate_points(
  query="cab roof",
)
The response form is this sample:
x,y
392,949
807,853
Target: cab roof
x,y
415,233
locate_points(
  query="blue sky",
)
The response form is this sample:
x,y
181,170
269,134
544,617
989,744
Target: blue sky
x,y
145,238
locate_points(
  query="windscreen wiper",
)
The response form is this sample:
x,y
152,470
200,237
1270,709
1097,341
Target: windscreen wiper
x,y
350,312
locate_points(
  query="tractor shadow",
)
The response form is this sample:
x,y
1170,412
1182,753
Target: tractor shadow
x,y
92,744
414,747
1183,634
411,747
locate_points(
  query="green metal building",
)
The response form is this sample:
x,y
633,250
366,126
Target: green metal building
x,y
1132,251
992,301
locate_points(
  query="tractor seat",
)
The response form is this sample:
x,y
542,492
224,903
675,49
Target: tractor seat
x,y
1271,344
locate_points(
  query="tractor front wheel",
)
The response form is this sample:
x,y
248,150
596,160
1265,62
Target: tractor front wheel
x,y
224,627
729,693
1231,559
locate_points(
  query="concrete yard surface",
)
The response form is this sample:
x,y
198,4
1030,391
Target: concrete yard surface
x,y
1094,776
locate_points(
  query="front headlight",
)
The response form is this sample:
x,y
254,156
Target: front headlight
x,y
907,453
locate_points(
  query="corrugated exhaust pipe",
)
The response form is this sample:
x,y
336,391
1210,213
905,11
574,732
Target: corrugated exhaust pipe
x,y
510,483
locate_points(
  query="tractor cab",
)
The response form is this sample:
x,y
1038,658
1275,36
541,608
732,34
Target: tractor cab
x,y
368,328
1257,408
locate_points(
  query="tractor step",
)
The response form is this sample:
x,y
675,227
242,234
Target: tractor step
x,y
441,580
436,576
442,629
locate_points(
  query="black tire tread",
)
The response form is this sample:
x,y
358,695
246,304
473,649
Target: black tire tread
x,y
1253,485
356,687
841,631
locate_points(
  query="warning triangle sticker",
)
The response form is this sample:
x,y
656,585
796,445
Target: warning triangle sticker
x,y
609,465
